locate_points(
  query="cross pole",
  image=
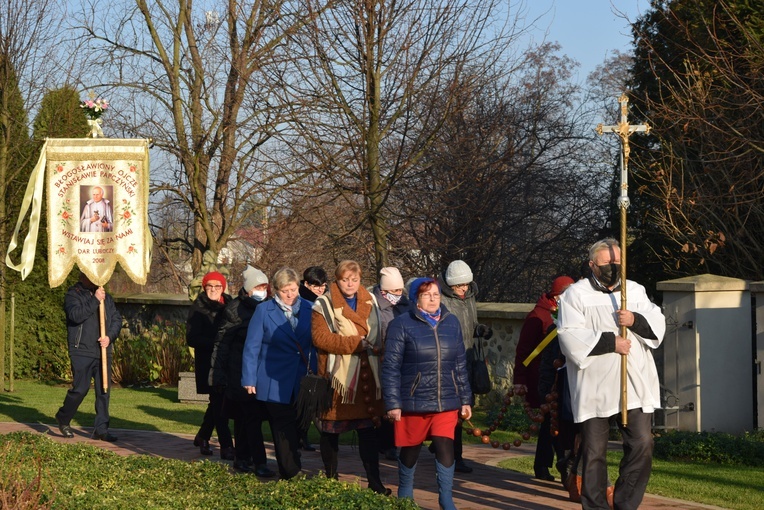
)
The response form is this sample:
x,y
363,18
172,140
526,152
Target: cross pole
x,y
623,129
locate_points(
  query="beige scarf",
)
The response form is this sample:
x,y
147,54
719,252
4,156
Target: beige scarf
x,y
345,368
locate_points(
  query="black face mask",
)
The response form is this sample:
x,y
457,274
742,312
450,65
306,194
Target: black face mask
x,y
608,274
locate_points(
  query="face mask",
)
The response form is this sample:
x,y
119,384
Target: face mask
x,y
608,274
393,298
259,295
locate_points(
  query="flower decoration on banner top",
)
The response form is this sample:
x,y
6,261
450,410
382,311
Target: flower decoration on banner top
x,y
536,416
94,108
65,213
132,167
60,250
59,168
127,212
132,250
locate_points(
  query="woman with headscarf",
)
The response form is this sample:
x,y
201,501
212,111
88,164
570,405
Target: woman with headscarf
x,y
425,385
204,319
347,334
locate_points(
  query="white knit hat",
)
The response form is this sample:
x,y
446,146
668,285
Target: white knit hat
x,y
252,278
390,279
458,272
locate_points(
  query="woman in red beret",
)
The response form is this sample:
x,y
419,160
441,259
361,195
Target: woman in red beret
x,y
204,320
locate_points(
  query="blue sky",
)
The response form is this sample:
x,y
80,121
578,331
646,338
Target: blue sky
x,y
588,30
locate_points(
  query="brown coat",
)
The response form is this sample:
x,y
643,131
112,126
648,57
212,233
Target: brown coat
x,y
327,342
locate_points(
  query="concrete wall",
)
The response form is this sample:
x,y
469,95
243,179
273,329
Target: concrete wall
x,y
707,353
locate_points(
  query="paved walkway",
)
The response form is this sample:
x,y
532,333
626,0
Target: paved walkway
x,y
486,487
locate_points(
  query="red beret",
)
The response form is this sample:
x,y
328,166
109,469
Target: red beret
x,y
214,275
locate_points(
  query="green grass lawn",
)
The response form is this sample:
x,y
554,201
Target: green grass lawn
x,y
733,487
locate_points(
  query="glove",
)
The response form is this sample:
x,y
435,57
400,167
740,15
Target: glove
x,y
481,330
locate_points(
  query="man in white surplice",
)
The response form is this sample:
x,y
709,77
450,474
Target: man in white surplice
x,y
588,327
97,213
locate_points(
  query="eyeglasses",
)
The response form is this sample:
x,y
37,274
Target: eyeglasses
x,y
317,287
430,295
213,287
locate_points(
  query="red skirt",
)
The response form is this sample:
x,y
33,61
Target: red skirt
x,y
412,429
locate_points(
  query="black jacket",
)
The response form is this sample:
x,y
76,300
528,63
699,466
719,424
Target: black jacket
x,y
226,357
83,322
204,320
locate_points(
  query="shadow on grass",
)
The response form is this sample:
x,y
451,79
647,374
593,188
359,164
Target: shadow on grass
x,y
11,407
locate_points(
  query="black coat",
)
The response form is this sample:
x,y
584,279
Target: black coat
x,y
83,322
226,358
204,320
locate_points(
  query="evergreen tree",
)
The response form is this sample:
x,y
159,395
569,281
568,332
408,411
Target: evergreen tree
x,y
40,321
14,164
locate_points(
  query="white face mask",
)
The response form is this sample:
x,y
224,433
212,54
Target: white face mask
x,y
259,295
393,298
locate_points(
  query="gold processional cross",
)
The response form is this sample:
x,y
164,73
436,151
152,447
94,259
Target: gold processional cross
x,y
624,130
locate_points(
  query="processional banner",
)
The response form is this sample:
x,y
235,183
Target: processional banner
x,y
97,198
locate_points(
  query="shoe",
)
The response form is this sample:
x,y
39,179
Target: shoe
x,y
65,429
228,453
262,470
204,447
547,476
243,466
391,454
106,436
462,467
379,488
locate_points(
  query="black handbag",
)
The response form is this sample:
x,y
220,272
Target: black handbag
x,y
315,397
480,378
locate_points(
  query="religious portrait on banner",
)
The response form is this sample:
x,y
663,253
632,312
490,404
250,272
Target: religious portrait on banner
x,y
97,214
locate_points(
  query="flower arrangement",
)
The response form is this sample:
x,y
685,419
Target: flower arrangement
x,y
94,108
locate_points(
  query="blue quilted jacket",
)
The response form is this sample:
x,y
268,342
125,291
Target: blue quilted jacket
x,y
424,368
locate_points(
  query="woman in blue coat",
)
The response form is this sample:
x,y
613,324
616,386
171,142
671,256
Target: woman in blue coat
x,y
425,386
274,362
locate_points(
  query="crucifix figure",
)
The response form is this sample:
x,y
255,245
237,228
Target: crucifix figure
x,y
624,130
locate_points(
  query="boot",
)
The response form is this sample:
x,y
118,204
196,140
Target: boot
x,y
405,480
445,477
375,482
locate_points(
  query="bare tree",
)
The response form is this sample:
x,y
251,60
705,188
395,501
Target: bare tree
x,y
512,183
369,71
202,85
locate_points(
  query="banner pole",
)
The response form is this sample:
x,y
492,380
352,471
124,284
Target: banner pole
x,y
104,361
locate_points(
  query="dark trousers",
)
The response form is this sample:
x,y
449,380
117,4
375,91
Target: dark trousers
x,y
83,371
545,448
248,417
216,417
368,448
286,441
635,467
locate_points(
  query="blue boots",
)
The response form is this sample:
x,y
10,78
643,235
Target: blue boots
x,y
445,477
405,480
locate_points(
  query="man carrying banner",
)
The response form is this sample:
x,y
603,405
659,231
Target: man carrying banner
x,y
97,214
81,305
